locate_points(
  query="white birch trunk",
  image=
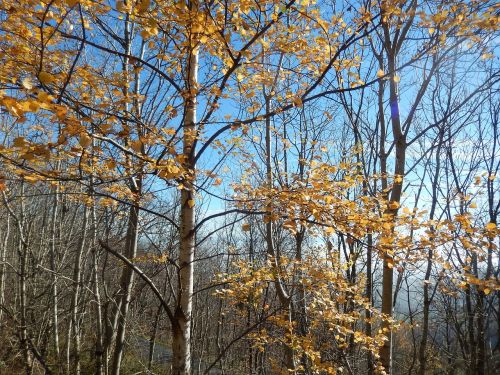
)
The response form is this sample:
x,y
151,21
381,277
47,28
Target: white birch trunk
x,y
181,340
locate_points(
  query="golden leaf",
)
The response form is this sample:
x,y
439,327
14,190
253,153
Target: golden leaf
x,y
393,205
491,226
20,142
85,140
297,101
143,6
46,78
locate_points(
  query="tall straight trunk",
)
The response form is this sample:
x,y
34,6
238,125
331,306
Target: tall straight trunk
x,y
301,305
22,252
395,196
384,184
3,255
369,297
181,331
152,339
74,324
127,276
53,265
23,304
427,297
481,340
482,323
284,299
126,282
23,246
99,341
369,241
99,349
470,332
154,330
110,315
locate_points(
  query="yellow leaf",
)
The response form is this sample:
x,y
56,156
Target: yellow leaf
x,y
46,78
170,171
190,203
487,291
329,230
393,205
431,30
396,79
20,142
44,97
380,73
143,6
85,140
245,227
297,101
491,226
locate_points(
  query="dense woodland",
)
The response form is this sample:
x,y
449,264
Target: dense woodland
x,y
249,187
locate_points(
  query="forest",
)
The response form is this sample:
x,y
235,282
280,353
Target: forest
x,y
249,187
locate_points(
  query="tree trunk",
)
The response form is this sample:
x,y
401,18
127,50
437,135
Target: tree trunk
x,y
152,339
395,196
181,340
3,255
22,252
99,349
74,324
126,282
368,313
427,298
53,265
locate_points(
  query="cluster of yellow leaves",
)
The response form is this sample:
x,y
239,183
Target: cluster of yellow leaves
x,y
332,305
460,18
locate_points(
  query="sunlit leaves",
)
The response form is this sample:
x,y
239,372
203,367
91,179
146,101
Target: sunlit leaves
x,y
334,307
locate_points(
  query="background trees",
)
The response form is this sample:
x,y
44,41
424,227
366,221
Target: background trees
x,y
249,187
